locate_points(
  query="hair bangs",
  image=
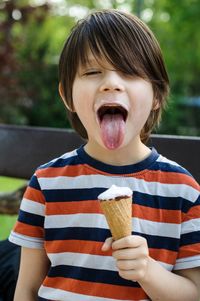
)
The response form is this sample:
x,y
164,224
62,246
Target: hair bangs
x,y
105,41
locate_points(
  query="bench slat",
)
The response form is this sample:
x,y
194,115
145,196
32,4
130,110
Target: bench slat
x,y
22,149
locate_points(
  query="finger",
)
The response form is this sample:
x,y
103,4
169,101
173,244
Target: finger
x,y
128,253
133,275
131,253
107,244
132,241
135,265
126,265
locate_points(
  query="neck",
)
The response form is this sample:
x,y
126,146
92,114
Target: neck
x,y
121,156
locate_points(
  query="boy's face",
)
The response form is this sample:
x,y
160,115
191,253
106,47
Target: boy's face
x,y
112,106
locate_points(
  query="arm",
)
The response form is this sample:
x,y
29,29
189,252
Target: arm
x,y
33,269
161,284
134,263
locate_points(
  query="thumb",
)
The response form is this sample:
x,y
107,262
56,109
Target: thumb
x,y
107,244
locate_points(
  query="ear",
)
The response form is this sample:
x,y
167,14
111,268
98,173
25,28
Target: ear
x,y
60,89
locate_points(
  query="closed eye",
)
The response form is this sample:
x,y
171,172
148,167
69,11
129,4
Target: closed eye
x,y
92,72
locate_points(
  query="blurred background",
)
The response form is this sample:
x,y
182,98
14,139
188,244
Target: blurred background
x,y
32,34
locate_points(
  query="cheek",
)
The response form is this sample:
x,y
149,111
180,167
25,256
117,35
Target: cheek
x,y
80,104
81,97
141,108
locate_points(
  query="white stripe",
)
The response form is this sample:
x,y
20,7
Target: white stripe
x,y
163,159
90,261
32,207
192,225
99,221
140,185
76,220
64,156
156,228
84,260
68,155
188,259
26,241
166,266
187,263
61,295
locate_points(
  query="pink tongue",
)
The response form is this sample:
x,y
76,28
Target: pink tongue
x,y
112,130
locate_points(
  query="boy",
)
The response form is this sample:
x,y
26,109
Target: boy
x,y
114,84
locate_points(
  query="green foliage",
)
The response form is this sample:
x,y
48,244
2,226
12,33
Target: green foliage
x,y
6,224
179,38
7,221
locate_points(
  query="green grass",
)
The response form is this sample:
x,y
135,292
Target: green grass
x,y
10,184
7,221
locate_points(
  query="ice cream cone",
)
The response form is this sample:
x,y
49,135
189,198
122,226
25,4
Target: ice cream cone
x,y
118,213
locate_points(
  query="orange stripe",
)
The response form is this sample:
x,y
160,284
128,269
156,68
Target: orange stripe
x,y
194,212
34,195
25,229
94,248
68,171
76,246
93,206
163,255
73,207
169,178
95,289
190,250
157,215
147,175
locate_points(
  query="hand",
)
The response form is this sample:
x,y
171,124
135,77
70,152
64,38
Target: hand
x,y
132,256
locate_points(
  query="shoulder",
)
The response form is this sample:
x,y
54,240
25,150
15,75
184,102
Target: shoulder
x,y
67,159
173,181
175,173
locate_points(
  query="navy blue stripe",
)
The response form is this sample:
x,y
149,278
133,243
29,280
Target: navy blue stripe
x,y
161,242
112,169
91,275
41,299
34,183
190,238
30,218
158,202
161,202
168,167
60,162
149,163
97,234
70,195
76,233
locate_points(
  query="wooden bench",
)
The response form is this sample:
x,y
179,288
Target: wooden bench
x,y
22,149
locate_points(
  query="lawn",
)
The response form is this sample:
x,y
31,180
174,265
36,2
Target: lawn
x,y
7,221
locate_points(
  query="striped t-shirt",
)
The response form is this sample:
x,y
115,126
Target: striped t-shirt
x,y
60,213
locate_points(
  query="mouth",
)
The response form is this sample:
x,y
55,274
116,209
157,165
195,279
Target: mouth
x,y
112,109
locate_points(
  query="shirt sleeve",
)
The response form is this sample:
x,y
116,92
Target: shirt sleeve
x,y
29,228
189,251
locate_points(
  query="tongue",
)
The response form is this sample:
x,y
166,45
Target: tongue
x,y
112,130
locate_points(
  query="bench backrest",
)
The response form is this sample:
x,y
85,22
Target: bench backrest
x,y
22,149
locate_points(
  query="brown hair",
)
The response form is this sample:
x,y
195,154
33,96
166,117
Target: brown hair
x,y
126,43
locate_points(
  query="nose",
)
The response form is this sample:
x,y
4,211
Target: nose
x,y
112,82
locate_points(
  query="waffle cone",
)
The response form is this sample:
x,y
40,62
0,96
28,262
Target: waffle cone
x,y
118,214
